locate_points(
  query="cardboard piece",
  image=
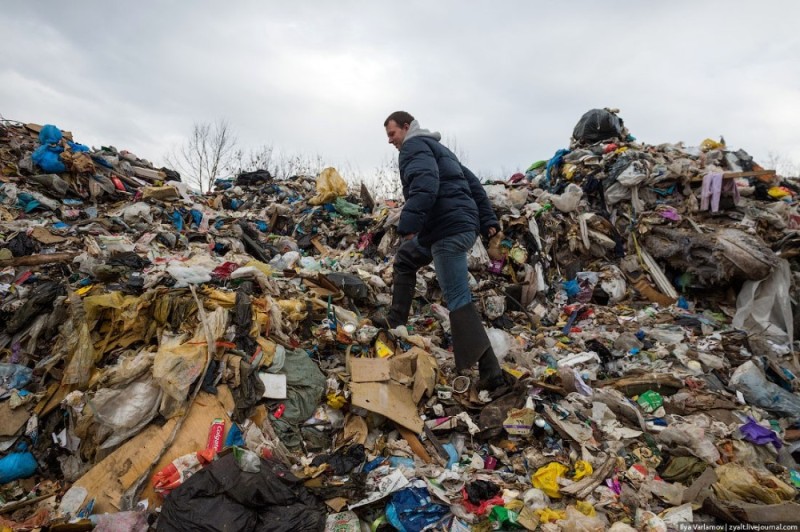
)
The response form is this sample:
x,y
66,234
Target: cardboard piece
x,y
108,480
415,366
355,429
13,418
336,504
46,237
274,385
369,369
388,399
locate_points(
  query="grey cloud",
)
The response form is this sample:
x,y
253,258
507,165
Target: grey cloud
x,y
507,80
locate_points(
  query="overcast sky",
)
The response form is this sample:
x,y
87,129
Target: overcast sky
x,y
507,79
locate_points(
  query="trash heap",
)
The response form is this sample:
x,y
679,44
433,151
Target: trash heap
x,y
182,361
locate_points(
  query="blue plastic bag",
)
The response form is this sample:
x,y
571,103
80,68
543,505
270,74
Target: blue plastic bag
x,y
13,377
47,158
19,464
49,134
412,510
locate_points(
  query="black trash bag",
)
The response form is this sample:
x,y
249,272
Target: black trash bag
x,y
248,394
172,175
481,490
40,301
250,179
352,285
243,319
343,461
129,259
597,125
21,245
222,497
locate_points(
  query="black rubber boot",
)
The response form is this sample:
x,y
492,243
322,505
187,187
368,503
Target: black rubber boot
x,y
470,341
491,373
408,259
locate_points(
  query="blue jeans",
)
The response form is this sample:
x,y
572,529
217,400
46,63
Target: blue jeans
x,y
450,260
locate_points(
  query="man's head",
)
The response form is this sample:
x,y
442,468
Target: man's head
x,y
397,125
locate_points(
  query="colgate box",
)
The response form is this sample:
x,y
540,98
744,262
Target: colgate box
x,y
216,435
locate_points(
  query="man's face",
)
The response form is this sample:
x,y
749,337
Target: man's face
x,y
396,133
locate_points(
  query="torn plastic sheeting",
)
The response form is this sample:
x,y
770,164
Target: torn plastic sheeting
x,y
764,307
179,363
750,380
125,411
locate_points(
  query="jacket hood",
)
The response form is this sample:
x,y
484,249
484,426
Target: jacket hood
x,y
415,131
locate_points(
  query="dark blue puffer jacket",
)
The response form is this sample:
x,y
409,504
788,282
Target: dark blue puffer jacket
x,y
440,193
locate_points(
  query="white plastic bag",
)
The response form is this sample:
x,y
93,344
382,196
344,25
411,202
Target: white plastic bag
x,y
478,257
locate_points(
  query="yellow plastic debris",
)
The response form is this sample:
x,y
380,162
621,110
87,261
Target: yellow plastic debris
x,y
708,145
582,469
330,185
585,508
546,477
548,515
336,400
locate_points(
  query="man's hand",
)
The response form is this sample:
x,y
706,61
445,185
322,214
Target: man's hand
x,y
492,231
409,236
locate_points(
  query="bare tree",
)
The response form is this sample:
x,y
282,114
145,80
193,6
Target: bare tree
x,y
261,158
782,164
206,154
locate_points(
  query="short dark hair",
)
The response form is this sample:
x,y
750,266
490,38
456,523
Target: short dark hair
x,y
401,118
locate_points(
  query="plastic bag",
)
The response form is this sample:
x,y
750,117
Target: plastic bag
x,y
186,275
757,390
546,478
178,364
13,377
596,125
477,258
501,343
247,460
764,307
19,464
138,212
692,437
575,521
330,186
125,411
567,201
737,483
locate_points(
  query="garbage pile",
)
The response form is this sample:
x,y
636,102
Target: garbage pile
x,y
178,361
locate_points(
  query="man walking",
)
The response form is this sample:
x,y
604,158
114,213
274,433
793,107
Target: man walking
x,y
445,209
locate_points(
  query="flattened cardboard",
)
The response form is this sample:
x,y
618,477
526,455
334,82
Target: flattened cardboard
x,y
369,369
388,399
108,480
13,418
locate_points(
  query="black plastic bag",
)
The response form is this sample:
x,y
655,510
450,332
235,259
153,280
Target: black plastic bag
x,y
222,497
597,125
249,179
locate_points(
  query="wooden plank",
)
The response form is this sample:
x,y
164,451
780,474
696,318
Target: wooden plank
x,y
736,175
38,259
415,444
